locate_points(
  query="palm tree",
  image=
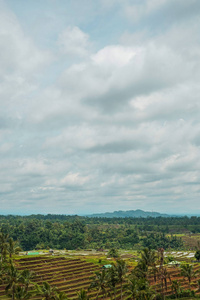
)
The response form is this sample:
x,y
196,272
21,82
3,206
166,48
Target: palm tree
x,y
21,293
3,271
139,289
131,287
99,282
154,272
176,287
141,270
164,275
197,255
82,295
161,256
121,270
45,290
113,253
188,272
26,278
12,278
12,247
113,279
148,257
60,296
144,291
3,245
198,283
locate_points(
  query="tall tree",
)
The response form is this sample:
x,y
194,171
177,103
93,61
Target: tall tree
x,y
99,282
148,256
176,287
121,270
113,279
131,287
147,260
82,295
3,245
12,278
45,290
197,255
21,293
188,271
139,289
140,270
60,296
164,276
113,253
12,247
26,278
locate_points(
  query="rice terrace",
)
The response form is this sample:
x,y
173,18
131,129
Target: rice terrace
x,y
71,257
70,274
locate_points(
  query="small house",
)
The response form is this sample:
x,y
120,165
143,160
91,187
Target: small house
x,y
106,266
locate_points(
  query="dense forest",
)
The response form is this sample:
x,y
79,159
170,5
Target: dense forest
x,y
75,232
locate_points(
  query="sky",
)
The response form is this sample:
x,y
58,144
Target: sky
x,y
99,106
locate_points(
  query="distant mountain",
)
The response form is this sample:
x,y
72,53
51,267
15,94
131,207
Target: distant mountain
x,y
129,213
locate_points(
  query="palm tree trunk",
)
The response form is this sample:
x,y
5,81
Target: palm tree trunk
x,y
97,296
13,293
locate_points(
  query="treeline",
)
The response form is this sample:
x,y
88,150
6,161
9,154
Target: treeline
x,y
150,221
73,232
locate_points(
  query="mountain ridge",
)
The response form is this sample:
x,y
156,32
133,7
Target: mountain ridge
x,y
128,214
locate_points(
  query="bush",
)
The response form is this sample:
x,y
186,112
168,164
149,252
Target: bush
x,y
113,253
183,293
197,255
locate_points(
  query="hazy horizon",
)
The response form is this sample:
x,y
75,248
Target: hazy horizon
x,y
105,212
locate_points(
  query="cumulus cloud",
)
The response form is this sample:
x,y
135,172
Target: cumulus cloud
x,y
113,117
131,72
19,56
163,10
74,42
74,179
116,56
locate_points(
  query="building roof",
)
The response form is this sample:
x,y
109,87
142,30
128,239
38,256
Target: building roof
x,y
107,266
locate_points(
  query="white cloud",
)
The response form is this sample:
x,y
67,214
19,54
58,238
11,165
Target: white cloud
x,y
118,124
136,11
74,179
115,55
74,42
163,10
19,55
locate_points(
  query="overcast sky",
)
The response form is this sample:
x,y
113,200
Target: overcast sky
x,y
99,106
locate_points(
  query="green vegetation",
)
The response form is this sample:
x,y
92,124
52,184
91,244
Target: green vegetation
x,y
197,255
73,232
188,272
142,274
49,277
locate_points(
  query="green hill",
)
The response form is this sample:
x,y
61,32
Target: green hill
x,y
129,213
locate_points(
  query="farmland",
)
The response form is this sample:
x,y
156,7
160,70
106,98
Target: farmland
x,y
68,275
72,271
81,247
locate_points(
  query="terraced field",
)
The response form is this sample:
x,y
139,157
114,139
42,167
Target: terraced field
x,y
68,275
72,274
174,274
